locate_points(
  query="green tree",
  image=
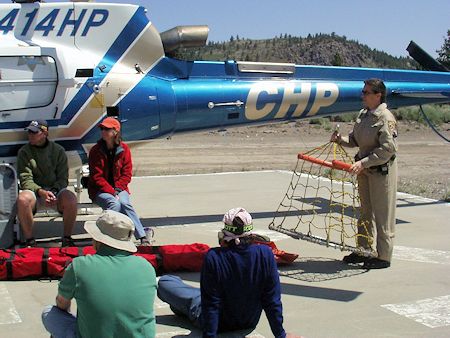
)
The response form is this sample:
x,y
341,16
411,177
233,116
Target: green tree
x,y
444,52
337,60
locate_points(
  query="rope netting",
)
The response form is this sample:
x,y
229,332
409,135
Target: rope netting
x,y
321,204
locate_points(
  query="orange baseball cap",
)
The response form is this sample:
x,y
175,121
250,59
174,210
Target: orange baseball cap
x,y
110,122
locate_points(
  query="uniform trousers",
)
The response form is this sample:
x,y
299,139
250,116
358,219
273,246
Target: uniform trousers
x,y
378,193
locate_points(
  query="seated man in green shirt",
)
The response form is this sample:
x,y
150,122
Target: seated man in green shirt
x,y
44,176
114,290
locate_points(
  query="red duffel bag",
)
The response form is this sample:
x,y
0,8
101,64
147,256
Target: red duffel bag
x,y
38,262
56,260
151,255
52,262
183,257
21,263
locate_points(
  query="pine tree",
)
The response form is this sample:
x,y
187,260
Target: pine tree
x,y
337,60
444,52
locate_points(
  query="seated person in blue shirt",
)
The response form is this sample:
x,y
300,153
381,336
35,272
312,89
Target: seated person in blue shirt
x,y
238,281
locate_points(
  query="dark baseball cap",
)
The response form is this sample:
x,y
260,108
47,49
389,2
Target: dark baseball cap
x,y
38,125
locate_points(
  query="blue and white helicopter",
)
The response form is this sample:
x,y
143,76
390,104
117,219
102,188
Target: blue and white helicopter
x,y
73,63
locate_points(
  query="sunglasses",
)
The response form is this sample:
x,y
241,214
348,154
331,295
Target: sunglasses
x,y
366,92
33,132
104,128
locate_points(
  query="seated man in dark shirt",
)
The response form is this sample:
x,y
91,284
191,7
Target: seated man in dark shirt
x,y
43,171
238,281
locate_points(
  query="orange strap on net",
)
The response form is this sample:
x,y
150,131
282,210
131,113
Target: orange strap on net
x,y
335,164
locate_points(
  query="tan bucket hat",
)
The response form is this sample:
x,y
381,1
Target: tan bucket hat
x,y
113,229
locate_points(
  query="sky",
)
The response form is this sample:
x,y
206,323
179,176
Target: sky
x,y
386,25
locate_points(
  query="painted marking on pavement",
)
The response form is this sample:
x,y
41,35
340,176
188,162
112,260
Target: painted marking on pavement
x,y
431,312
8,312
274,236
175,226
421,255
176,333
216,174
187,332
415,198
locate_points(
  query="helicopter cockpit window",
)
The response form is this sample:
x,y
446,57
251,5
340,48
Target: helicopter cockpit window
x,y
27,81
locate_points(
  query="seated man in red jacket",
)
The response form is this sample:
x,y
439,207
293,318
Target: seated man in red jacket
x,y
238,281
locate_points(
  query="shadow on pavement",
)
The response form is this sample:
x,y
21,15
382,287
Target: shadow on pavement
x,y
319,269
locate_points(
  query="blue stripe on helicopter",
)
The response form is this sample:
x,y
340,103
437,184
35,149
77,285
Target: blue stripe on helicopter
x,y
128,35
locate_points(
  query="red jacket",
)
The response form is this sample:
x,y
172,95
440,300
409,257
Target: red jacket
x,y
99,170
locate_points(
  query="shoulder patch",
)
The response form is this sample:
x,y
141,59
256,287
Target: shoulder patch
x,y
392,126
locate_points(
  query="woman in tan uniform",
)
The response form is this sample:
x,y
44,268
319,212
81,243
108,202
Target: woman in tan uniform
x,y
375,133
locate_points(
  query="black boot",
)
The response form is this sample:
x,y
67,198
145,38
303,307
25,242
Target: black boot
x,y
376,263
67,241
354,258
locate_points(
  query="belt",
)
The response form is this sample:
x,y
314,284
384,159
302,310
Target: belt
x,y
383,168
393,157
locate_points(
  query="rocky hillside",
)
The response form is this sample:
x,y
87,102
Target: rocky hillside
x,y
319,49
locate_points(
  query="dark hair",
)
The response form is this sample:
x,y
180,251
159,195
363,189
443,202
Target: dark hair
x,y
237,228
117,138
239,224
377,86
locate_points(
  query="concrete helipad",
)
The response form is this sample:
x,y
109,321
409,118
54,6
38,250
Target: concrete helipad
x,y
321,296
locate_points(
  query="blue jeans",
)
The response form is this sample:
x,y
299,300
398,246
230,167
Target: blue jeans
x,y
122,204
59,323
183,299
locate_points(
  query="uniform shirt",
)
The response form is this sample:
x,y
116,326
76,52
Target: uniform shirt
x,y
42,167
114,291
237,283
374,133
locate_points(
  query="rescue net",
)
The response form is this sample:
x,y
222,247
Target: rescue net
x,y
321,204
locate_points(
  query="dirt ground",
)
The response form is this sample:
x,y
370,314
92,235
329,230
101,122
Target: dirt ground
x,y
424,158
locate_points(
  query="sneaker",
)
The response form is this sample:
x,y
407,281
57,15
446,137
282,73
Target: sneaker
x,y
149,233
67,241
145,241
376,263
354,258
